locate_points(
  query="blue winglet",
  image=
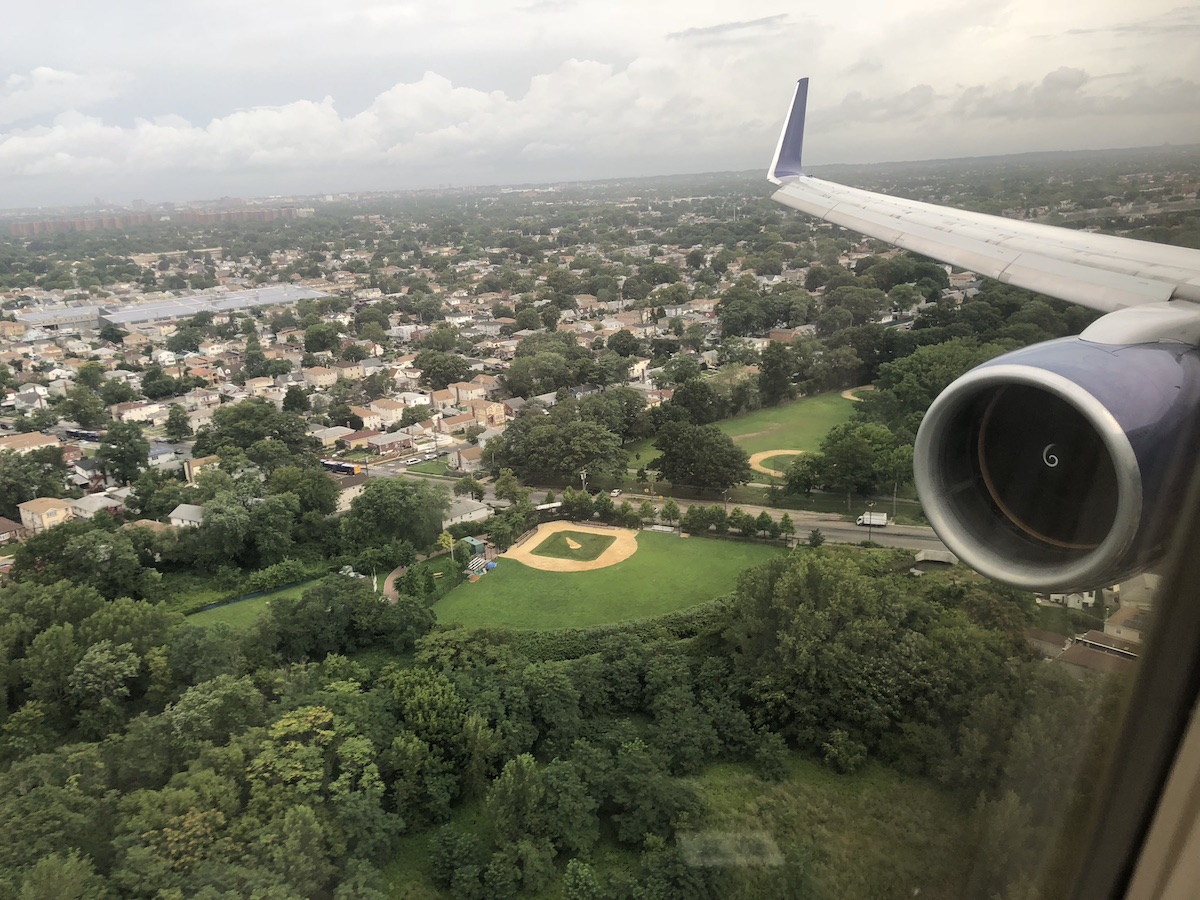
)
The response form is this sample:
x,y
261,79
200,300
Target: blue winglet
x,y
786,163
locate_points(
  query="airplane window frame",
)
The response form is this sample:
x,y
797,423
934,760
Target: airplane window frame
x,y
1158,710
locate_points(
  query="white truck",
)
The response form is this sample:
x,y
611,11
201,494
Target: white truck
x,y
872,519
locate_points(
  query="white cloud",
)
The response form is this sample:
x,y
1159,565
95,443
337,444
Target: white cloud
x,y
25,96
305,97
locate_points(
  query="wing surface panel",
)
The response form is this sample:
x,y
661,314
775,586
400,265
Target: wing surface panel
x,y
1098,271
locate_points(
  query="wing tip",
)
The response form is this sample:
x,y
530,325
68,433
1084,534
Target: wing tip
x,y
786,163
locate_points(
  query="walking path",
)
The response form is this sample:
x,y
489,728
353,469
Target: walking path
x,y
852,393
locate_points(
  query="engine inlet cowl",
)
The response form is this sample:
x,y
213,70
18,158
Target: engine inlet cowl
x,y
1061,466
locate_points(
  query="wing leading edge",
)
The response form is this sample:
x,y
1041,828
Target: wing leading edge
x,y
1098,271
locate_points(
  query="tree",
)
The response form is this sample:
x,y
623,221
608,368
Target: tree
x,y
112,334
124,451
804,474
815,538
391,509
857,456
244,424
58,877
624,343
469,485
178,425
699,401
508,488
84,406
558,448
670,512
700,456
90,376
38,473
295,400
646,511
441,369
316,491
775,374
413,414
321,337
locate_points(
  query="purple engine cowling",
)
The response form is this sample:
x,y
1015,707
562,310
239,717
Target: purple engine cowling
x,y
1062,466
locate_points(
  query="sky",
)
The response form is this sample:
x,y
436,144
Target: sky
x,y
185,100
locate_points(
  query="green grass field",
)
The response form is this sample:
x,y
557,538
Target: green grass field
x,y
245,613
430,467
666,574
798,425
590,545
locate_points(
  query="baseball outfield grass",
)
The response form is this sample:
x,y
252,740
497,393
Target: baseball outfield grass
x,y
798,425
667,573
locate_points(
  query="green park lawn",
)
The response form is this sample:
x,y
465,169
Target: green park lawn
x,y
590,545
667,573
431,467
798,425
244,613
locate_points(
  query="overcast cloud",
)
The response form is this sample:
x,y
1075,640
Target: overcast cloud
x,y
188,100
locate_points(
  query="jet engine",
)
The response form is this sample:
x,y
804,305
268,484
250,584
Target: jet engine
x,y
1062,466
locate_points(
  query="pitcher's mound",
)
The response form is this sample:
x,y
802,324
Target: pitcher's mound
x,y
574,545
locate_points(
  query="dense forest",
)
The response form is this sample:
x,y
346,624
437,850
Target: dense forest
x,y
346,747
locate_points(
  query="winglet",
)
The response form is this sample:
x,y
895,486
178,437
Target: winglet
x,y
786,163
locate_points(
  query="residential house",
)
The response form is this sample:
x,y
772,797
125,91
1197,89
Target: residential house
x,y
88,475
451,424
489,413
349,371
44,512
319,376
21,444
187,515
198,418
30,401
390,442
150,411
388,411
357,440
10,531
465,391
370,418
87,507
441,400
330,436
465,509
468,459
489,383
192,467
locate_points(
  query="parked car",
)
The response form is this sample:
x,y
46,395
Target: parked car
x,y
615,492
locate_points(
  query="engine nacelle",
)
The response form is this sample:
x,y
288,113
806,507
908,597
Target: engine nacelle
x,y
1062,466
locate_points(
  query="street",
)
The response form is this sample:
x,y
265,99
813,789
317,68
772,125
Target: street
x,y
833,527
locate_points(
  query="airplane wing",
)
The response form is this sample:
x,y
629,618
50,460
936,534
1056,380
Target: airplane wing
x,y
1098,271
